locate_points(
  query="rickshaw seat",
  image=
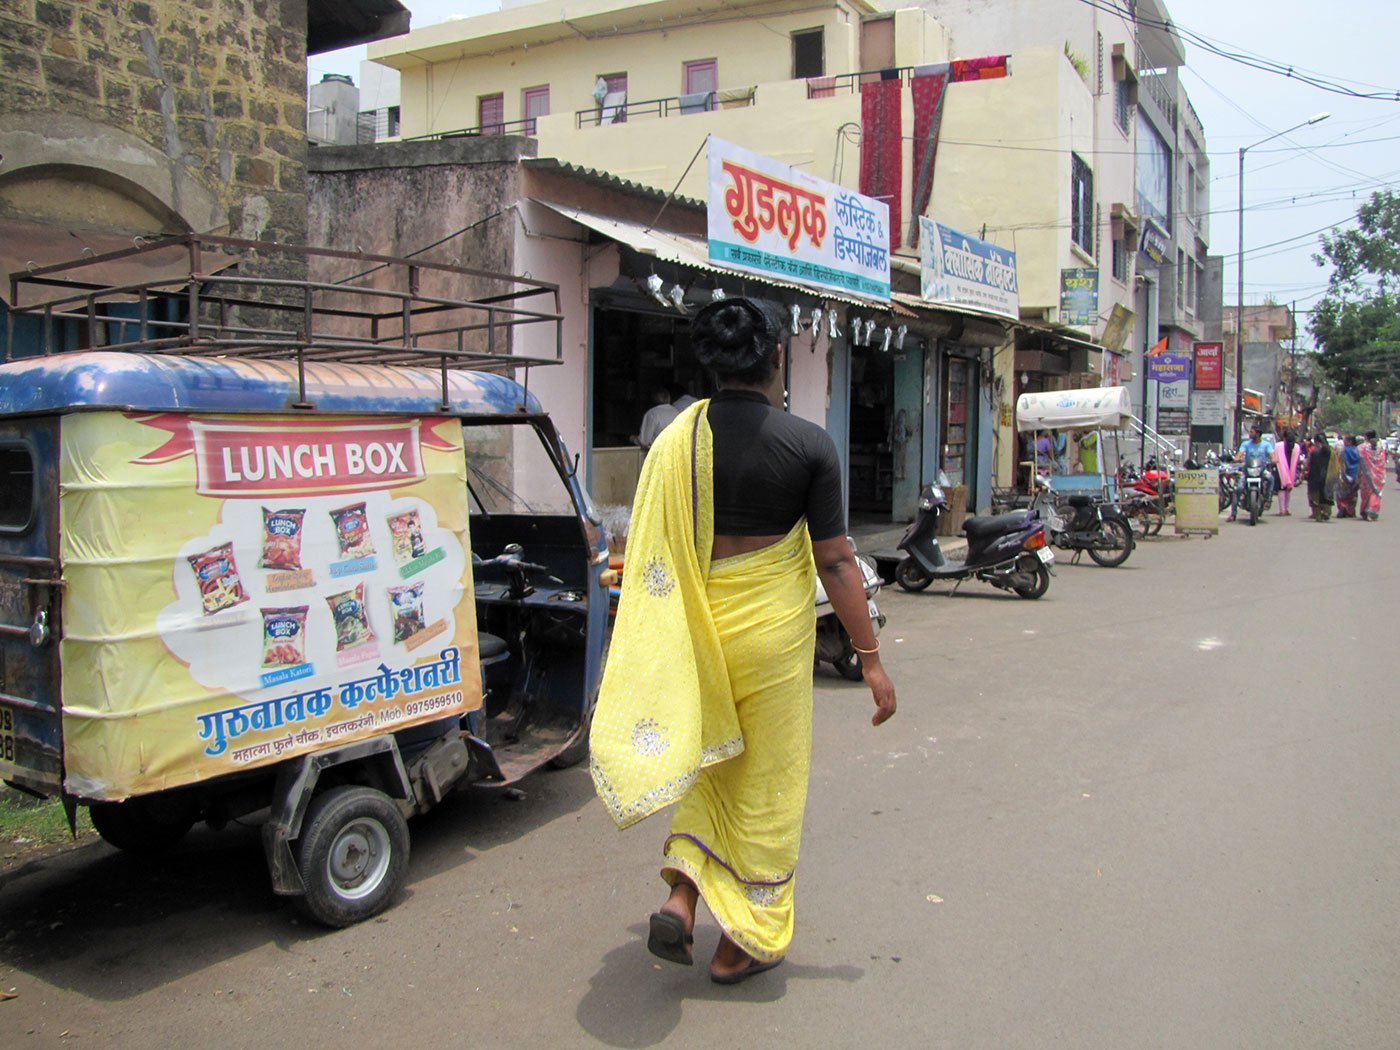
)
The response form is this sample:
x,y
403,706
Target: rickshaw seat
x,y
491,647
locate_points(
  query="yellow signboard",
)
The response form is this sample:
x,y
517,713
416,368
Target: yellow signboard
x,y
244,589
1197,502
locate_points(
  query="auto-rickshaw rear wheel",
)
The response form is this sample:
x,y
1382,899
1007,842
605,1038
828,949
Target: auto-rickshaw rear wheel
x,y
147,823
352,854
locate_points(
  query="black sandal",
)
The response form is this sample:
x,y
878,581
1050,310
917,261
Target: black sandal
x,y
668,940
748,971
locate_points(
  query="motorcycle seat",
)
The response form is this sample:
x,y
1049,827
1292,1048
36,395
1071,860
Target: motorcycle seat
x,y
1080,500
995,524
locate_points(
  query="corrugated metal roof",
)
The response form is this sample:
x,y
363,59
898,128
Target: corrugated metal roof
x,y
608,180
694,252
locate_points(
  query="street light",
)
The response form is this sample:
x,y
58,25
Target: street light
x,y
1239,275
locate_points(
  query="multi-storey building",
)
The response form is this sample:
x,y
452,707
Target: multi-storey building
x,y
1040,162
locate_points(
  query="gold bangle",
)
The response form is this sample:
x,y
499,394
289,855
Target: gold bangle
x,y
866,652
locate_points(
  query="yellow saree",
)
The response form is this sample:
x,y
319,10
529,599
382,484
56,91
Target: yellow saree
x,y
707,695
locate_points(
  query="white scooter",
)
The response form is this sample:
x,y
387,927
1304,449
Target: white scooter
x,y
833,643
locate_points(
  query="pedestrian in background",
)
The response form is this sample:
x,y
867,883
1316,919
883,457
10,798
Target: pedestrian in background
x,y
1322,464
1059,445
1286,458
707,694
1088,442
1371,477
1347,483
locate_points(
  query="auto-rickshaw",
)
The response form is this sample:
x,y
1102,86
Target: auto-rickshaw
x,y
316,578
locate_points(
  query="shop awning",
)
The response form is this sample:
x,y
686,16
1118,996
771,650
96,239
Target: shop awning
x,y
685,250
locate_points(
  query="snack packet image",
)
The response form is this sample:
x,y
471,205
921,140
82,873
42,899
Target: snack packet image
x,y
284,637
351,620
406,604
219,584
352,531
282,539
406,532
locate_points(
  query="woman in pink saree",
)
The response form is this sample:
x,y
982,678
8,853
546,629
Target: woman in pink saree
x,y
1371,477
1287,455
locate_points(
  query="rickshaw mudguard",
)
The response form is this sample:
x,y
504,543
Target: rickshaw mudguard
x,y
296,783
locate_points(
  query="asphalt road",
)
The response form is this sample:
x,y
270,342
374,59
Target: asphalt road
x,y
1157,808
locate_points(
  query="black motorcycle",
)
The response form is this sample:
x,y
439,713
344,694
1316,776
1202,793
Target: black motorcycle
x,y
1083,524
1007,550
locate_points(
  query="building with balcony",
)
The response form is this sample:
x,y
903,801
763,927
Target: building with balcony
x,y
1039,161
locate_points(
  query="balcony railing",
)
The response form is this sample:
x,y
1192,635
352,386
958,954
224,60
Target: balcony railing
x,y
504,127
673,106
1155,86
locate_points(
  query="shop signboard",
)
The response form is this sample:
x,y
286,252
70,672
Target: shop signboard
x,y
1115,331
1197,502
1168,368
1252,401
1208,408
960,270
768,218
1174,395
1210,366
1173,420
283,585
1079,296
1155,243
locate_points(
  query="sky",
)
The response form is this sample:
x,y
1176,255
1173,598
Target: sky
x,y
1294,186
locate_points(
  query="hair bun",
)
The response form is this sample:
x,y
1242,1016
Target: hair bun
x,y
734,336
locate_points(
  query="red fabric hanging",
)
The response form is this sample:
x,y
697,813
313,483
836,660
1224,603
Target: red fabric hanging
x,y
988,67
880,141
928,92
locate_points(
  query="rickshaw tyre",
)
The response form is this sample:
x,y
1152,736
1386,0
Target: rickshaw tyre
x,y
910,576
1111,559
1040,584
848,665
340,823
147,824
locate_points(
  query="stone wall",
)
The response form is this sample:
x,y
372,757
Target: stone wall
x,y
196,110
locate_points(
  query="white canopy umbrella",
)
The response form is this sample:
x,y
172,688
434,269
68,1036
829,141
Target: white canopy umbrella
x,y
1094,408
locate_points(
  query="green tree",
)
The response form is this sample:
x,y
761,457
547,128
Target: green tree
x,y
1357,323
1346,414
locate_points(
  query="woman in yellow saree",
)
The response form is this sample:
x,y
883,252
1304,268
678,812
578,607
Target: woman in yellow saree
x,y
707,694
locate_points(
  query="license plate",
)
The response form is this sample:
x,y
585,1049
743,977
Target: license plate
x,y
1046,555
7,735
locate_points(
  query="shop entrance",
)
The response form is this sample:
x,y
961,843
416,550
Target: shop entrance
x,y
886,434
636,353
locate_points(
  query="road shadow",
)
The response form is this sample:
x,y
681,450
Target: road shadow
x,y
635,1000
114,926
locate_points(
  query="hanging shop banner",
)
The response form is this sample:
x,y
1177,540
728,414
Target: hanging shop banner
x,y
1197,502
1168,368
1252,401
960,270
1079,296
1116,329
1155,243
1210,365
245,589
771,219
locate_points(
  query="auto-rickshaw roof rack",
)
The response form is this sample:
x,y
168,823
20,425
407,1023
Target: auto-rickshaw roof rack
x,y
223,297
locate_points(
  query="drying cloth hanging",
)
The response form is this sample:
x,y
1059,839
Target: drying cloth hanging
x,y
928,89
988,67
880,129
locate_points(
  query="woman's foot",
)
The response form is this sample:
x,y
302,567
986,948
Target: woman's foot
x,y
671,930
732,964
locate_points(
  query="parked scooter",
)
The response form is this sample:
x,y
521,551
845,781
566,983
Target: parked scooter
x,y
833,641
1084,523
1006,550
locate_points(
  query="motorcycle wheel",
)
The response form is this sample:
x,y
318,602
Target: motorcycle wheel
x,y
910,576
848,665
1145,519
1116,532
1032,583
1255,509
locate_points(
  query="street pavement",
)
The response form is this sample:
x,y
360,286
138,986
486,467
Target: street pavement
x,y
1156,808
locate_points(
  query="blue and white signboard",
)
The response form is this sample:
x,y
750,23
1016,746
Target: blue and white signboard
x,y
960,270
774,220
1169,368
